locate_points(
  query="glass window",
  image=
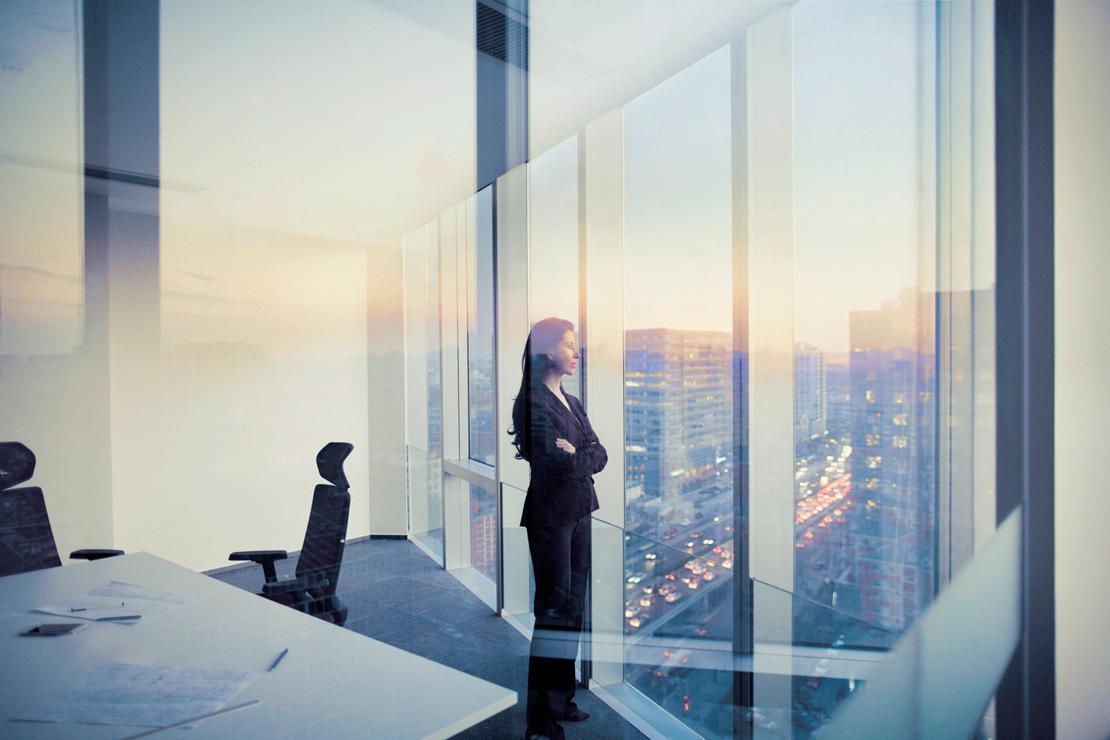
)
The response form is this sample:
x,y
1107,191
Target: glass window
x,y
423,397
890,295
864,358
553,239
483,532
480,334
678,388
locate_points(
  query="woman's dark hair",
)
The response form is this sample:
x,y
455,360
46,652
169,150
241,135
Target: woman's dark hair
x,y
543,338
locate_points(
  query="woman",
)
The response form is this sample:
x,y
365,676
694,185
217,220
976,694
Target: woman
x,y
550,430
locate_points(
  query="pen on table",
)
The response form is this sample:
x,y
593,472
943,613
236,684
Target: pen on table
x,y
102,606
278,659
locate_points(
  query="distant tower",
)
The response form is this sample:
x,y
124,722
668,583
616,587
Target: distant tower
x,y
678,420
810,396
893,484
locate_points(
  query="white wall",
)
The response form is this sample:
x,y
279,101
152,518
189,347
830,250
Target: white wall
x,y
1082,355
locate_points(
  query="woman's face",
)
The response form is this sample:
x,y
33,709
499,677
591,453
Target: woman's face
x,y
564,356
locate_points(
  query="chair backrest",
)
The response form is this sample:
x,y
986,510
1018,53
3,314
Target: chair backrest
x,y
326,534
26,539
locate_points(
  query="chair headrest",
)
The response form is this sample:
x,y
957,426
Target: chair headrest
x,y
329,461
17,464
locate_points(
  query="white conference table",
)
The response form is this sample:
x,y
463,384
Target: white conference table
x,y
332,683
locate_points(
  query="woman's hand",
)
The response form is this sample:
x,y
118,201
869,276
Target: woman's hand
x,y
564,445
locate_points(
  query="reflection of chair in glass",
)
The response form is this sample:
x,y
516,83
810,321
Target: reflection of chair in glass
x,y
26,539
313,589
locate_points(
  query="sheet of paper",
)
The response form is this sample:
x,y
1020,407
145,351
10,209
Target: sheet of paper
x,y
125,591
92,611
141,696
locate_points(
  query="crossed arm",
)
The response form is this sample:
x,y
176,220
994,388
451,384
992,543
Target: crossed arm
x,y
551,451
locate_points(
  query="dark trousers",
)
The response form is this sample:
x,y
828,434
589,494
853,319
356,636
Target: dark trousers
x,y
561,563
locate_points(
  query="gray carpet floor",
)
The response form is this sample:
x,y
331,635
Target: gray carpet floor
x,y
397,594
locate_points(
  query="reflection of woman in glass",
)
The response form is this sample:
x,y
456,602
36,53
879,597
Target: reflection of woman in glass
x,y
550,430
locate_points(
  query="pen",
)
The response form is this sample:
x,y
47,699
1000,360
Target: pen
x,y
103,606
278,659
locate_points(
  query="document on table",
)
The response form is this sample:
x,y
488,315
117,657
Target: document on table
x,y
120,602
124,591
141,696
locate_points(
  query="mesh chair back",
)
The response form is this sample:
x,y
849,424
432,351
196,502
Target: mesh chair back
x,y
325,536
26,539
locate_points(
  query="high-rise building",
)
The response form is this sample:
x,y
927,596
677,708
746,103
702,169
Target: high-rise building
x,y
894,492
678,420
810,397
838,396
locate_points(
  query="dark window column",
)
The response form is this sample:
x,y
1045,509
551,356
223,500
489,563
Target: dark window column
x,y
742,640
501,41
1025,331
121,220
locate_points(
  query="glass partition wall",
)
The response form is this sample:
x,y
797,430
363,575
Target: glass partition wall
x,y
772,224
780,261
52,360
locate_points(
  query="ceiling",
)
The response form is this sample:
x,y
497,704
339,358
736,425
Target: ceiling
x,y
358,124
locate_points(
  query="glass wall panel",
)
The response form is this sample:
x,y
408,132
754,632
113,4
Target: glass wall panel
x,y
678,382
424,402
553,238
480,333
53,371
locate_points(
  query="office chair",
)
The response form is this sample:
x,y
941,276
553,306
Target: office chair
x,y
26,538
312,590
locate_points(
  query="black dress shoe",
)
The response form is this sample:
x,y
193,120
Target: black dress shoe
x,y
576,715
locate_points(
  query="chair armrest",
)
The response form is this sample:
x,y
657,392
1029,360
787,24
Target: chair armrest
x,y
94,553
265,558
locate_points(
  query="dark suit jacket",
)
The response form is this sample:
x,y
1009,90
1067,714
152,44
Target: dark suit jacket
x,y
561,489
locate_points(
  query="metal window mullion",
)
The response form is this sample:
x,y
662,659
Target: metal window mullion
x,y
1025,369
